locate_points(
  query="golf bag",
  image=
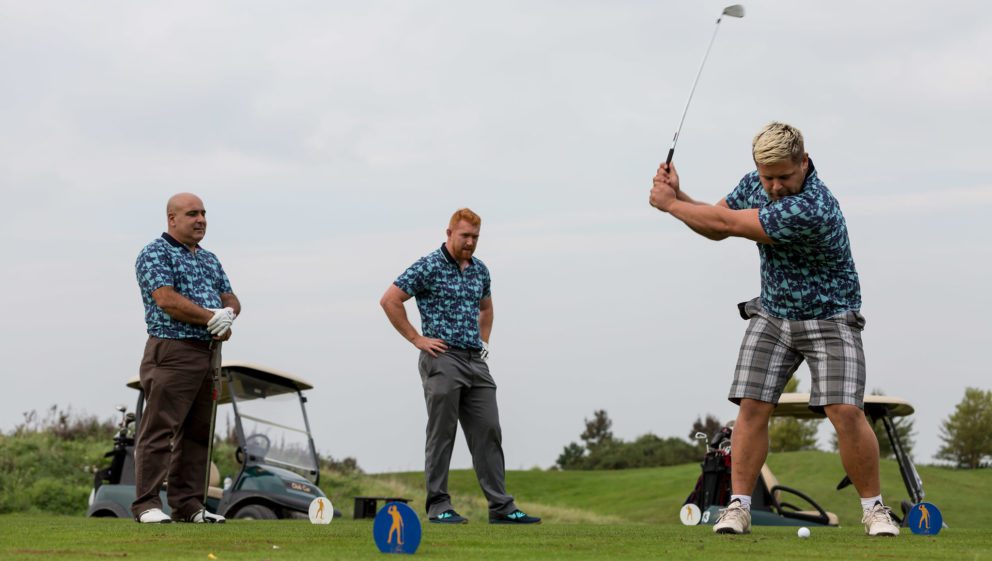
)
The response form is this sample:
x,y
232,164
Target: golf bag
x,y
121,468
713,486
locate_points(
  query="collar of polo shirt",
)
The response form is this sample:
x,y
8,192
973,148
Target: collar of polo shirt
x,y
176,243
450,259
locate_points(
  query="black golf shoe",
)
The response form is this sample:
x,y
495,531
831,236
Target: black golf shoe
x,y
516,517
448,517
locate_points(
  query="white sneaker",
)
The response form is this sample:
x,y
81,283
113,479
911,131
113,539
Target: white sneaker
x,y
203,517
878,521
735,519
154,516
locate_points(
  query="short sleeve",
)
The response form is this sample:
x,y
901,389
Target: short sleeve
x,y
798,219
414,280
486,284
223,283
153,269
740,197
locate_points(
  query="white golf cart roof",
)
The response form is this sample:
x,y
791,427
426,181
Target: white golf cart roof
x,y
796,405
247,369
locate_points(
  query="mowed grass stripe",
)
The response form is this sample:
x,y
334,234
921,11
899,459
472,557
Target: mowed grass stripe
x,y
32,537
627,514
654,495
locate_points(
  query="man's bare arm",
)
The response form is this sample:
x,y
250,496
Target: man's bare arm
x,y
486,318
392,303
229,300
181,308
718,222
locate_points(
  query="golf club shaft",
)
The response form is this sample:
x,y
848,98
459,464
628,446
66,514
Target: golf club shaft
x,y
215,362
675,139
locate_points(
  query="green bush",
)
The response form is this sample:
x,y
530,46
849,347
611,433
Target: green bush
x,y
42,472
604,451
47,463
57,496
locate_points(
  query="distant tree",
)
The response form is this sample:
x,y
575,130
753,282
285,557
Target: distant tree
x,y
786,434
646,451
345,466
604,451
597,433
967,433
650,450
571,457
709,427
904,428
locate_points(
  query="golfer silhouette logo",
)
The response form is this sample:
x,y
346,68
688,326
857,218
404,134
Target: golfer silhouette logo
x,y
924,517
396,529
321,511
690,514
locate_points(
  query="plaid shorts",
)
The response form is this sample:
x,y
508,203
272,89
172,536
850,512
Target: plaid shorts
x,y
773,349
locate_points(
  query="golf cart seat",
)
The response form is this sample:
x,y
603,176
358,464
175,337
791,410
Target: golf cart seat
x,y
768,496
214,490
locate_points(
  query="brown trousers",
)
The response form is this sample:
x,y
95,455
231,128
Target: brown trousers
x,y
174,433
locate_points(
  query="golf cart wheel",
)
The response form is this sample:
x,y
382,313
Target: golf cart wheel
x,y
255,512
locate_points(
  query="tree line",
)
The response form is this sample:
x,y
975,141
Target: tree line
x,y
966,437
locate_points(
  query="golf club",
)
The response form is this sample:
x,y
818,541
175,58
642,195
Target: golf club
x,y
735,11
215,364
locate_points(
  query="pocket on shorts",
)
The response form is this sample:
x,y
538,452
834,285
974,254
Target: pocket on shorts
x,y
851,318
749,309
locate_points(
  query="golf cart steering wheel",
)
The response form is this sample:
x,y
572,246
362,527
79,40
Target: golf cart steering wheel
x,y
257,445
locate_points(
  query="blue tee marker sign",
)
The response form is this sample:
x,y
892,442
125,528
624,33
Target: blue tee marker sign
x,y
396,529
925,519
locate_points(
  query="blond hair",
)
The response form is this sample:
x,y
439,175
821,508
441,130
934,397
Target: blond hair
x,y
465,214
776,143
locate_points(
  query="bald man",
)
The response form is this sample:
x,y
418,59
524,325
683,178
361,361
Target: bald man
x,y
189,309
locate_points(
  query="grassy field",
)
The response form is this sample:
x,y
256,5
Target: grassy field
x,y
33,537
628,514
654,495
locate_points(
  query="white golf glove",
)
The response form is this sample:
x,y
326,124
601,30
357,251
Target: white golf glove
x,y
484,353
221,322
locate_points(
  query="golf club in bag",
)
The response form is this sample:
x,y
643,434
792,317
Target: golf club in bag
x,y
713,486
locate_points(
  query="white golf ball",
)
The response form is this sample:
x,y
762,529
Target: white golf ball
x,y
803,532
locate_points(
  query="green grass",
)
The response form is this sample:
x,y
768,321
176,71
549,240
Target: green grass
x,y
33,537
630,514
654,495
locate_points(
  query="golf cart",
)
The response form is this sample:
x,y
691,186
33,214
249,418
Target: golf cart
x,y
712,491
279,468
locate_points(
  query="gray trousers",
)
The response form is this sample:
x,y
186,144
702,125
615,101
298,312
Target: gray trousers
x,y
458,388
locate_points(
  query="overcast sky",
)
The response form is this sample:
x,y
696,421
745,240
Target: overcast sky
x,y
330,142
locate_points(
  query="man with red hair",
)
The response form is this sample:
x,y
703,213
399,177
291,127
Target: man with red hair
x,y
456,311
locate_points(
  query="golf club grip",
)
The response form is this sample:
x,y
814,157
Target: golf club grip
x,y
671,152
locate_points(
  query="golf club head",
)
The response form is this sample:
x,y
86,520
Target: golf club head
x,y
735,11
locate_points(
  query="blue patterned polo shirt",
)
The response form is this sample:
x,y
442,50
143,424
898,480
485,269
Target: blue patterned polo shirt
x,y
808,273
197,276
447,297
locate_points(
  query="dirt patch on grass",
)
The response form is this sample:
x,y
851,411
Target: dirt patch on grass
x,y
62,552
